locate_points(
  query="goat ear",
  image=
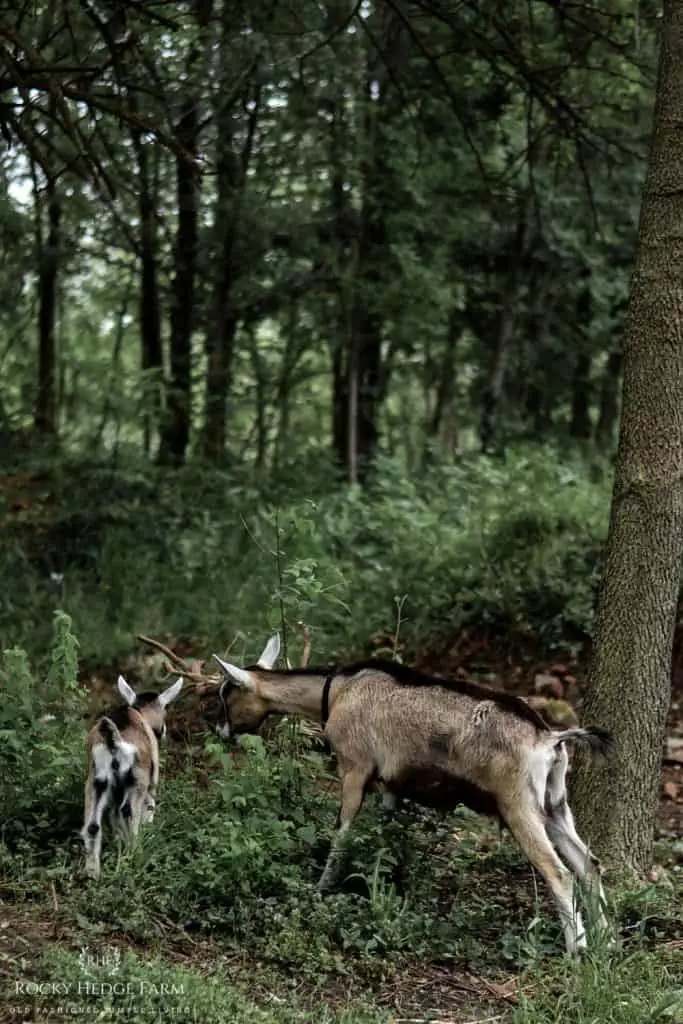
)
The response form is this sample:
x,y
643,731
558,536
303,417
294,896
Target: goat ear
x,y
270,652
240,676
126,691
171,693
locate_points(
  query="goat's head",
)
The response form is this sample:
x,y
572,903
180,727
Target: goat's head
x,y
240,706
152,706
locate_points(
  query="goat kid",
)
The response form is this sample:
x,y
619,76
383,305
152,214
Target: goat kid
x,y
123,775
439,743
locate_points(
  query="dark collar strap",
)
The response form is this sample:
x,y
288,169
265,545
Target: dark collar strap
x,y
325,710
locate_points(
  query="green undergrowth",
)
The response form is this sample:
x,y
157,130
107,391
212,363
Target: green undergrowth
x,y
233,857
215,556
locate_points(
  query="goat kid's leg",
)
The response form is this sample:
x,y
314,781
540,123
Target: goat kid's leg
x,y
148,807
354,783
527,826
133,813
96,798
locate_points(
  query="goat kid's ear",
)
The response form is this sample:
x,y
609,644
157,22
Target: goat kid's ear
x,y
270,652
171,693
126,691
243,679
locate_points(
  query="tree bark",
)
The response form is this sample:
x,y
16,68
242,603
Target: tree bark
x,y
629,687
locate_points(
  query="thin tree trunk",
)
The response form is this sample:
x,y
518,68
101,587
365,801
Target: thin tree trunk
x,y
489,428
175,432
445,386
114,373
45,416
445,389
609,401
580,425
629,686
368,377
289,360
260,418
343,256
151,352
231,174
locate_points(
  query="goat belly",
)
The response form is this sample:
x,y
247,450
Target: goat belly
x,y
444,792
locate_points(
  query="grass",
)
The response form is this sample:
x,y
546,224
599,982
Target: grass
x,y
438,918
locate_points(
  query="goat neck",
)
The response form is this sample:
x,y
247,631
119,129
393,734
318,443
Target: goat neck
x,y
293,693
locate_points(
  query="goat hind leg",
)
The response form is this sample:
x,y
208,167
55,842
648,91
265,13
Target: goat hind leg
x,y
563,835
568,843
96,798
526,824
354,783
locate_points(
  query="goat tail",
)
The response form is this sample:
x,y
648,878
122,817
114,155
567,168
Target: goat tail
x,y
110,734
599,741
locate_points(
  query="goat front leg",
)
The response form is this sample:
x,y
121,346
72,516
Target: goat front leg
x,y
354,784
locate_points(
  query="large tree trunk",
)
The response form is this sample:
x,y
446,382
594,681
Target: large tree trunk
x,y
629,685
45,416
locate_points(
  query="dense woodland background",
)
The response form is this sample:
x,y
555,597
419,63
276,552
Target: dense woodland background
x,y
313,313
252,233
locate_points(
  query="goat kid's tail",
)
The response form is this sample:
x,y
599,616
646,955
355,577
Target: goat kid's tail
x,y
599,741
110,735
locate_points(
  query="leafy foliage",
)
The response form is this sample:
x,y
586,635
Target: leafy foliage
x,y
40,753
446,543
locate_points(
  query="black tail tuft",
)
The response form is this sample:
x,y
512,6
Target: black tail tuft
x,y
600,741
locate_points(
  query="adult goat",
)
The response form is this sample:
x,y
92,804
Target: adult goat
x,y
440,743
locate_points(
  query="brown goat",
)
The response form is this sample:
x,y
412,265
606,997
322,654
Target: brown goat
x,y
440,743
123,774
